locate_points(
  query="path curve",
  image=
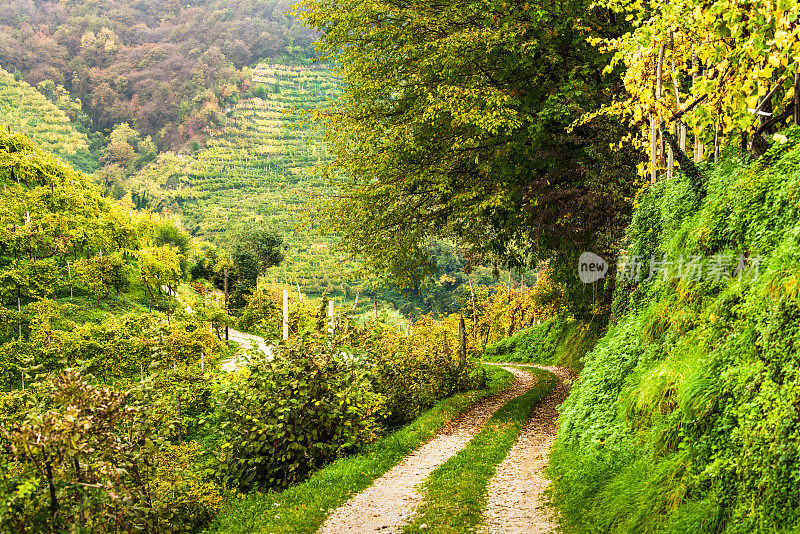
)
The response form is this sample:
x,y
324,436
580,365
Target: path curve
x,y
392,498
516,492
244,340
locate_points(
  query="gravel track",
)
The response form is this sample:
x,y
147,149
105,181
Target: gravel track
x,y
388,503
516,493
245,341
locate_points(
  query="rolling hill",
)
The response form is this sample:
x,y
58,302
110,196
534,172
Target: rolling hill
x,y
259,167
29,112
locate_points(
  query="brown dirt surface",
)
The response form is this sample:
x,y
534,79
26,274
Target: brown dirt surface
x,y
392,498
516,493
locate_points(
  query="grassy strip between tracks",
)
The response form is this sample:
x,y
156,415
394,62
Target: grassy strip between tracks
x,y
455,493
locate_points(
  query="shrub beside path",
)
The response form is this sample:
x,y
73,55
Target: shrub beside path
x,y
388,503
245,341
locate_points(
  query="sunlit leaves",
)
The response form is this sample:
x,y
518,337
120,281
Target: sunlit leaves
x,y
452,125
742,51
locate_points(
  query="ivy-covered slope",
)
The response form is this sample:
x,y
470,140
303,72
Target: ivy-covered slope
x,y
686,417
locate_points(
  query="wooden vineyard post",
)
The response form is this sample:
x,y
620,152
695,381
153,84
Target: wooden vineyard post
x,y
679,129
330,317
462,342
375,305
653,147
682,140
670,162
285,314
694,92
226,303
202,361
797,98
659,91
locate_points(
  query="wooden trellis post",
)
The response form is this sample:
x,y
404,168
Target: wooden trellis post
x,y
285,314
797,98
653,149
659,94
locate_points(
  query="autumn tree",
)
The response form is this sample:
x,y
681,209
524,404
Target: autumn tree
x,y
711,73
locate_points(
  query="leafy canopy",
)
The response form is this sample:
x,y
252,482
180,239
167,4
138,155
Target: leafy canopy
x,y
454,123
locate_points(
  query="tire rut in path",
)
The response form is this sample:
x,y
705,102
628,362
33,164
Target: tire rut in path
x,y
516,492
387,504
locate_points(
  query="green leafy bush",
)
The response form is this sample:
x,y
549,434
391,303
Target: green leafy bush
x,y
283,417
85,458
557,340
413,371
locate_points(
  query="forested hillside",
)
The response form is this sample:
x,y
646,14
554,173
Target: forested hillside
x,y
169,67
31,113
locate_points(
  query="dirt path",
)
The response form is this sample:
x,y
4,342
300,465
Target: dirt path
x,y
245,341
515,503
386,505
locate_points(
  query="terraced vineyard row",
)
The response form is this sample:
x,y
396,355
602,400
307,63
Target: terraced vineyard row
x,y
259,167
29,112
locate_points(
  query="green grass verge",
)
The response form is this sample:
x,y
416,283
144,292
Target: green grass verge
x,y
455,493
304,507
556,341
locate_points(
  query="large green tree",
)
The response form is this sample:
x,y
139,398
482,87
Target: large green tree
x,y
460,120
253,251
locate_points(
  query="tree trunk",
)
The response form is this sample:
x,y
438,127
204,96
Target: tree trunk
x,y
81,511
462,343
53,500
474,313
